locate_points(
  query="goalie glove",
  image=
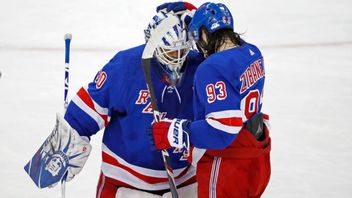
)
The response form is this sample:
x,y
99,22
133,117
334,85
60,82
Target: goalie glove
x,y
177,7
64,151
170,133
184,10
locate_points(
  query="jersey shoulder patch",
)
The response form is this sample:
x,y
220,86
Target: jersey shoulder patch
x,y
100,79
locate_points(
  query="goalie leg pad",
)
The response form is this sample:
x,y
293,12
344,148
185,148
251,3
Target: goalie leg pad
x,y
123,192
64,151
189,191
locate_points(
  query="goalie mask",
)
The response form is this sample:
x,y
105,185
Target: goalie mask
x,y
172,51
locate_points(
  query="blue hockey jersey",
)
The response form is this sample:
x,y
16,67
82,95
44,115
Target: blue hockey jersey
x,y
118,102
228,90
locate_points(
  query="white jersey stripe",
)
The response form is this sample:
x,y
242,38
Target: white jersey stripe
x,y
141,170
225,114
211,192
101,185
94,115
123,175
97,107
216,174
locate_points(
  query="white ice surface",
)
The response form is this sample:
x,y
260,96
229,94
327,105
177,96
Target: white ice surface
x,y
307,45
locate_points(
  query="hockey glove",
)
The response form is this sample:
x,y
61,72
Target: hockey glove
x,y
255,125
176,7
64,151
183,9
170,133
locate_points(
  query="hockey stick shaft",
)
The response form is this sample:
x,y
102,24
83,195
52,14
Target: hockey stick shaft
x,y
147,57
156,113
67,38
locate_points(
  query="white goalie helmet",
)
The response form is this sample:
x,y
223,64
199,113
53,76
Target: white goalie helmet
x,y
172,51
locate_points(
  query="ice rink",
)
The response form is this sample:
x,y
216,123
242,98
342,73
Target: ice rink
x,y
307,47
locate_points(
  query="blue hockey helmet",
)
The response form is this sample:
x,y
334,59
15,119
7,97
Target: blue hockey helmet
x,y
174,47
213,17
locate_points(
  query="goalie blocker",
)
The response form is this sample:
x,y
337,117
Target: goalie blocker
x,y
64,151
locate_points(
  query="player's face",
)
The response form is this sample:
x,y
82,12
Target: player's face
x,y
204,36
173,55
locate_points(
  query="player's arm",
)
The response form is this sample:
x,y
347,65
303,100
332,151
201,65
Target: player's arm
x,y
221,105
90,109
222,122
67,148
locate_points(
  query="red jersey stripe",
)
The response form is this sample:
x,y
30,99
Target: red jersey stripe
x,y
85,97
148,179
233,121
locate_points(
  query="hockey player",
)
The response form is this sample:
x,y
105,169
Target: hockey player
x,y
228,97
118,102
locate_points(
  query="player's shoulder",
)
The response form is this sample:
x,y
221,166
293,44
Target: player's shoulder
x,y
228,63
251,48
125,62
213,63
133,54
195,57
209,68
237,57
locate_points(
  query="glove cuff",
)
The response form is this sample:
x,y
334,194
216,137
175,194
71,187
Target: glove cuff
x,y
177,132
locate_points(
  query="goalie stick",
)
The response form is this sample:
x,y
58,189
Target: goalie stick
x,y
147,56
50,163
63,153
68,38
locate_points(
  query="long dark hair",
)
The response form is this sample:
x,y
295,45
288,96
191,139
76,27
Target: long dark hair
x,y
217,39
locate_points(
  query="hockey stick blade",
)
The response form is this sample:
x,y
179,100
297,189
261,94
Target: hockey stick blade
x,y
147,56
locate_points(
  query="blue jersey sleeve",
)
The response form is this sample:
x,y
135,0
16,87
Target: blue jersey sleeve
x,y
218,117
90,109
